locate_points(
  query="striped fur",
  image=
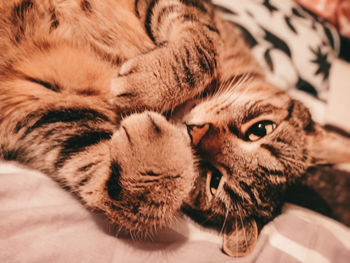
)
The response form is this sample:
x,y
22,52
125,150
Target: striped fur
x,y
69,71
242,182
59,113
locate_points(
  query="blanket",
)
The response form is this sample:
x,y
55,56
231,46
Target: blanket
x,y
40,222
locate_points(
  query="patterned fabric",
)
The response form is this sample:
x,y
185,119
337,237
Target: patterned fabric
x,y
294,45
336,11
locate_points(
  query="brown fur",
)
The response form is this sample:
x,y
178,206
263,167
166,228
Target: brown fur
x,y
59,60
69,71
251,176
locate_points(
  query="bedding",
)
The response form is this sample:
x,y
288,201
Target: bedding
x,y
294,46
40,222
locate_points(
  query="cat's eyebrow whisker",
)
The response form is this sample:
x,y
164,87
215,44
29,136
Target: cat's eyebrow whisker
x,y
226,84
238,84
226,90
234,82
232,88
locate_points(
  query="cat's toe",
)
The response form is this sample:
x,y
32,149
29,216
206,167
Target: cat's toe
x,y
124,96
128,67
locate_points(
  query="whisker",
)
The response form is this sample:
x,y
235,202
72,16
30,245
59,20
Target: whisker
x,y
119,229
131,235
236,237
225,221
244,230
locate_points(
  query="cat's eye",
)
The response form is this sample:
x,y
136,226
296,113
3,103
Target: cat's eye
x,y
259,130
213,178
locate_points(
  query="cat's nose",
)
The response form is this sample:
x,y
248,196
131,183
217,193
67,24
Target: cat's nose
x,y
197,132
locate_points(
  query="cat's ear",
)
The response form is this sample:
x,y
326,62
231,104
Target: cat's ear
x,y
323,146
327,147
241,240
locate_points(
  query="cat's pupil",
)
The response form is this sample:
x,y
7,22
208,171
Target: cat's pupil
x,y
259,129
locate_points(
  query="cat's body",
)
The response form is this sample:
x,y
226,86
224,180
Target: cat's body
x,y
70,69
58,61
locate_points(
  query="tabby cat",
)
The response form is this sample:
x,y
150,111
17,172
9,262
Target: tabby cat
x,y
77,79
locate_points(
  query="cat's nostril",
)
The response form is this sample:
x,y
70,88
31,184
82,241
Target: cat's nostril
x,y
197,132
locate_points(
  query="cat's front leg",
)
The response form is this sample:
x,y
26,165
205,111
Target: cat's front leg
x,y
183,63
137,174
138,178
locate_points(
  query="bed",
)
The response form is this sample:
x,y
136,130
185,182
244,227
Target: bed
x,y
40,222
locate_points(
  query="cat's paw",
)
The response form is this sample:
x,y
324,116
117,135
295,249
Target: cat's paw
x,y
142,83
156,170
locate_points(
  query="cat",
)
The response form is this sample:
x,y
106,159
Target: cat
x,y
83,84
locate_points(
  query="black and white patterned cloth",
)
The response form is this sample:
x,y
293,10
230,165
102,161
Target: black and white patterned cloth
x,y
295,46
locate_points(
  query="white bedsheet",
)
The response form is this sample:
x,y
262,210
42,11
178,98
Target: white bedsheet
x,y
40,222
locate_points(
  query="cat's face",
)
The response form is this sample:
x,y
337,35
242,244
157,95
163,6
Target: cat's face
x,y
253,142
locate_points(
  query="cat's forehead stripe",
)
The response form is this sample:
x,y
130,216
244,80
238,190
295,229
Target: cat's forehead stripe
x,y
256,110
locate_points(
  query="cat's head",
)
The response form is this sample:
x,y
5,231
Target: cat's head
x,y
253,140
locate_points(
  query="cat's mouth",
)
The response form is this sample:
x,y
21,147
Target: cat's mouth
x,y
213,180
